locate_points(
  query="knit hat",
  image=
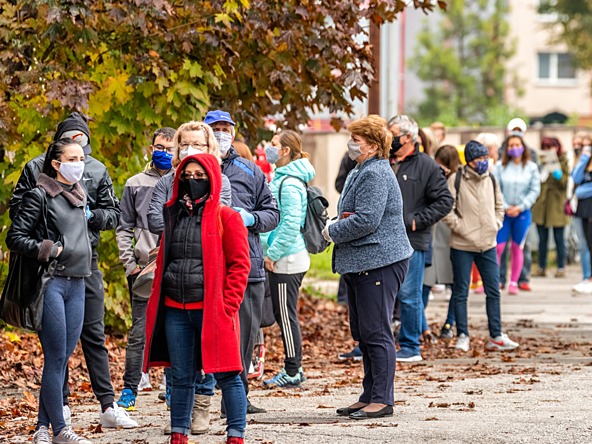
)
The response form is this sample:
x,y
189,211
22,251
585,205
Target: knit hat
x,y
473,150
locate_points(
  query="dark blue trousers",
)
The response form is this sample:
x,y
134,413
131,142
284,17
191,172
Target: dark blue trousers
x,y
371,298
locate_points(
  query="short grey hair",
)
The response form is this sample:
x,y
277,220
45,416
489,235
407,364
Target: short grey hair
x,y
406,124
488,139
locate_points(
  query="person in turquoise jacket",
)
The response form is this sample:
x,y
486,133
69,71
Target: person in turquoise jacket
x,y
286,257
519,180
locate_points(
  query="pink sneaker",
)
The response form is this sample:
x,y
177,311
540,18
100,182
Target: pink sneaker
x,y
513,288
479,290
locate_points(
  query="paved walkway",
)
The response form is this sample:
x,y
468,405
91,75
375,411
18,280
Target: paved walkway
x,y
539,394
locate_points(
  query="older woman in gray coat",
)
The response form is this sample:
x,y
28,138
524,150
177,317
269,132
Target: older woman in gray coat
x,y
371,252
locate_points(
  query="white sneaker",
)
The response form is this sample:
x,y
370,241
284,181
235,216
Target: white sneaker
x,y
501,342
584,287
462,343
144,385
117,417
162,385
67,415
41,436
67,436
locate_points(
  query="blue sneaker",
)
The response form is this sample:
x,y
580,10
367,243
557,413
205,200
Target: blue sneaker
x,y
127,401
301,372
167,399
355,354
282,379
406,355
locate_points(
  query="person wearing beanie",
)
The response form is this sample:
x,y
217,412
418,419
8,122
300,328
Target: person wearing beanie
x,y
102,213
474,221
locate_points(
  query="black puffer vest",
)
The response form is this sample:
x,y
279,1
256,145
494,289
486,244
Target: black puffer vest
x,y
183,279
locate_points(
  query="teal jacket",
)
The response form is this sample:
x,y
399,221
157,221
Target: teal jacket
x,y
286,239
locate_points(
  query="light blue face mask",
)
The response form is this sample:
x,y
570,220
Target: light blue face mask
x,y
224,141
272,154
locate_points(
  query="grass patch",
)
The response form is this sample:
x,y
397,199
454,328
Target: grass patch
x,y
320,266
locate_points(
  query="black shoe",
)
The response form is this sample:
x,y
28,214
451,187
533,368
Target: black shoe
x,y
346,411
162,396
251,409
446,332
382,413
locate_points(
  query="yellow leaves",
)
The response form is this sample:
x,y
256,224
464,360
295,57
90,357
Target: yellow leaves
x,y
118,88
12,336
193,68
114,91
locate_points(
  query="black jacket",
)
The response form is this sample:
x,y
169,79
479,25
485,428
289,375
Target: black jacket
x,y
95,182
426,197
49,214
345,167
251,192
183,279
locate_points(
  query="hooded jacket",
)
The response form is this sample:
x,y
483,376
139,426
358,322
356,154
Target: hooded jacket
x,y
286,239
96,182
225,267
474,223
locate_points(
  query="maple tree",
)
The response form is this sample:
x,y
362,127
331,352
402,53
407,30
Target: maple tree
x,y
136,65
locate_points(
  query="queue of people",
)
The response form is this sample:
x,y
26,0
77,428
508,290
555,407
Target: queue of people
x,y
211,230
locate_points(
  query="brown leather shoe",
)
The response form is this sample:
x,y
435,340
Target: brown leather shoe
x,y
200,421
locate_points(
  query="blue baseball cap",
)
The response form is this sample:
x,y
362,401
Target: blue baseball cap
x,y
218,116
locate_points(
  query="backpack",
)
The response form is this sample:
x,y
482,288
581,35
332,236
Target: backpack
x,y
457,180
316,217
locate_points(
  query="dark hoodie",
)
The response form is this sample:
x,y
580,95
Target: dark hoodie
x,y
96,183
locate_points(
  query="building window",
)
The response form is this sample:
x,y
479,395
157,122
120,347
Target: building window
x,y
556,68
546,10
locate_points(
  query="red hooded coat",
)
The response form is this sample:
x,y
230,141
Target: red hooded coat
x,y
226,266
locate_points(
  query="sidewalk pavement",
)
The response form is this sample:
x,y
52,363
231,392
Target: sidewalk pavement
x,y
541,393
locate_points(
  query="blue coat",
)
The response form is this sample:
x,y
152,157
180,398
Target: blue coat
x,y
287,239
374,236
251,192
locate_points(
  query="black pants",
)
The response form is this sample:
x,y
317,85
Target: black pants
x,y
93,340
136,338
250,322
284,295
342,291
371,296
587,225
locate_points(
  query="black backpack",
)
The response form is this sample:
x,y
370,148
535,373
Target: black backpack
x,y
316,217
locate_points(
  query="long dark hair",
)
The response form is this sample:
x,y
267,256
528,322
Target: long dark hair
x,y
525,154
552,142
54,152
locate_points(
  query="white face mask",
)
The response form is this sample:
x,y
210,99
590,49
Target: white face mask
x,y
72,171
224,141
354,150
190,151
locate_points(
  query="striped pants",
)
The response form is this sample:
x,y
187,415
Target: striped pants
x,y
284,295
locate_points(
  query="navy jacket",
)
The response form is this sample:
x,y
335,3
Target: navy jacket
x,y
374,235
251,192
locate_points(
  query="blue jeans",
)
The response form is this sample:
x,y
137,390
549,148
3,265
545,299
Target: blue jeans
x,y
578,225
204,382
63,313
411,305
183,331
425,299
558,234
486,262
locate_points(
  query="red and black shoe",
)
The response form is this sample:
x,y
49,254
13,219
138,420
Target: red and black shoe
x,y
235,440
178,438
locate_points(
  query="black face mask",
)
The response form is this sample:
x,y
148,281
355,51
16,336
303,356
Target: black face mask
x,y
197,188
395,145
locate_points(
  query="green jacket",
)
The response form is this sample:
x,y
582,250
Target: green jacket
x,y
549,209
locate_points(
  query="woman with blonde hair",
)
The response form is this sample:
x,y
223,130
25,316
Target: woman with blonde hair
x,y
286,256
372,254
190,138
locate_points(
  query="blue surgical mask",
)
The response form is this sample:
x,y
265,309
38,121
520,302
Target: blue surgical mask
x,y
272,153
162,160
224,141
482,166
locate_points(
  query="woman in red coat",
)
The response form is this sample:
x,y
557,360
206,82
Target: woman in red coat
x,y
192,319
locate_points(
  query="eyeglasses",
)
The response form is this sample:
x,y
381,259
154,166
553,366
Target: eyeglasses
x,y
199,146
159,147
195,175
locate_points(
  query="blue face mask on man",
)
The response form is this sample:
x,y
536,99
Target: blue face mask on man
x,y
162,160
